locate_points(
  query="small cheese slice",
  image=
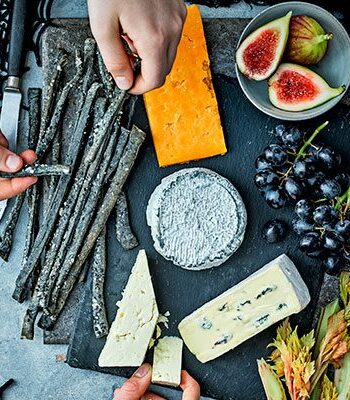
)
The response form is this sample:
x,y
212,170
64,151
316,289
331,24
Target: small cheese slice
x,y
167,361
272,293
136,319
183,113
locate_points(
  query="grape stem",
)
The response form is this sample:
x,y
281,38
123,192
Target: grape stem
x,y
345,198
301,152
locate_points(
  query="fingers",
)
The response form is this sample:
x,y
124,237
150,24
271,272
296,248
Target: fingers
x,y
28,157
190,387
114,55
9,162
172,49
171,55
135,387
12,187
3,141
153,71
151,396
157,52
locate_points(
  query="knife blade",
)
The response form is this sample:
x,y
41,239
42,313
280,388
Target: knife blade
x,y
11,106
11,103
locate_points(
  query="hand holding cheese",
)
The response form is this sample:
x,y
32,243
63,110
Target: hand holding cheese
x,y
152,29
136,388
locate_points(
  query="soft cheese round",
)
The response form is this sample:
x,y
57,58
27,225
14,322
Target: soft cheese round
x,y
197,218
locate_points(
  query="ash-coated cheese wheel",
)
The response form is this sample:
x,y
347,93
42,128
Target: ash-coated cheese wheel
x,y
197,218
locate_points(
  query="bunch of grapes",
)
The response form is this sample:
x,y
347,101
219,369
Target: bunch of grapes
x,y
297,171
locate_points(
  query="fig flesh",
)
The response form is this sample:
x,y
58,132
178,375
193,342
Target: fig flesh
x,y
297,88
260,53
307,43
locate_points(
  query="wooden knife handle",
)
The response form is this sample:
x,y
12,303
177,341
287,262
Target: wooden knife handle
x,y
18,23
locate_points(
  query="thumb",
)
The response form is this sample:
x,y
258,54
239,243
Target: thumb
x,y
190,387
135,387
115,57
9,162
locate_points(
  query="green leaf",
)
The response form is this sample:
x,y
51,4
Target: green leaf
x,y
308,340
272,385
342,379
329,391
344,283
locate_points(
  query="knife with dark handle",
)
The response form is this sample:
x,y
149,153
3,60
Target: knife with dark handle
x,y
18,24
11,103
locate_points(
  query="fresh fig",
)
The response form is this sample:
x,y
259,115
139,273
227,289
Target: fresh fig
x,y
297,88
307,43
260,53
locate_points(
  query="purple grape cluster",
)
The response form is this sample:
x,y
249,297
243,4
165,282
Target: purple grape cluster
x,y
295,171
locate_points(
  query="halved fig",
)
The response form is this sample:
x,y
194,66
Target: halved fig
x,y
297,88
260,53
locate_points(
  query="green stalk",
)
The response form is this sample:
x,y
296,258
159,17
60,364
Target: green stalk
x,y
344,282
316,393
342,379
272,385
323,38
301,152
321,330
344,198
316,379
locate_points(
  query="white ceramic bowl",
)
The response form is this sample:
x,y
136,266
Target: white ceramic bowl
x,y
334,67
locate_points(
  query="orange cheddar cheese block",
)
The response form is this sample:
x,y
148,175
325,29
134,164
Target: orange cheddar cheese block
x,y
183,113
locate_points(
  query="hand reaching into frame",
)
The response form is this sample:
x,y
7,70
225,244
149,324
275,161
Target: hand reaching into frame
x,y
152,29
11,162
136,388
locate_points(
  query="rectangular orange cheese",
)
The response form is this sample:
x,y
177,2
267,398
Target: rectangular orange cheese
x,y
183,113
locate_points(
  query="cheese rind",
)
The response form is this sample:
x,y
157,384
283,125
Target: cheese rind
x,y
136,319
167,361
272,293
183,113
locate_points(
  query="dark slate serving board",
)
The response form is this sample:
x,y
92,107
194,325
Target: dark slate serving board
x,y
234,375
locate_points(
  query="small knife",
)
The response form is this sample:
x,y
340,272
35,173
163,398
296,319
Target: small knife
x,y
11,103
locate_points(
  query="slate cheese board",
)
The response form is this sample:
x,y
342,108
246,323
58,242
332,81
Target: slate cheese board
x,y
247,130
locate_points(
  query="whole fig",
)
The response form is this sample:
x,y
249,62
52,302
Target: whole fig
x,y
307,42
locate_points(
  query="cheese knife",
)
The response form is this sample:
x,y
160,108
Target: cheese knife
x,y
11,103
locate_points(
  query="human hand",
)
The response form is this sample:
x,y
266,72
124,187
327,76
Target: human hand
x,y
136,388
152,29
10,162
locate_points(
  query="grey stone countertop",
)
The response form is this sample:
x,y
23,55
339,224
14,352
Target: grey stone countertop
x,y
39,370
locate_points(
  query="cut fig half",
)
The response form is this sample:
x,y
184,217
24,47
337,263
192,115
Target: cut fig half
x,y
260,53
297,88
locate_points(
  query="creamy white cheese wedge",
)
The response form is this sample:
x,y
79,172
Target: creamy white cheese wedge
x,y
136,319
167,361
272,293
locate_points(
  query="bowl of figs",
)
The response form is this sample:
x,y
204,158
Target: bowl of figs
x,y
293,61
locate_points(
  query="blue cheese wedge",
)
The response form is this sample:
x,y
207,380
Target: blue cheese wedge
x,y
197,218
272,293
167,361
136,319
